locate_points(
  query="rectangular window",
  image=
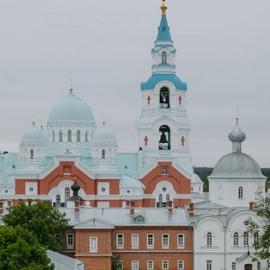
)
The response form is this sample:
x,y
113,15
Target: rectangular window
x,y
120,241
258,266
70,241
93,244
180,265
134,241
165,241
180,241
150,241
150,265
165,265
208,265
135,265
233,265
120,265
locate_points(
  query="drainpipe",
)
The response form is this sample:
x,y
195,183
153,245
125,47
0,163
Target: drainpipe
x,y
192,230
225,248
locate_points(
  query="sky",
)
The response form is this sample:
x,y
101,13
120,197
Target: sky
x,y
223,53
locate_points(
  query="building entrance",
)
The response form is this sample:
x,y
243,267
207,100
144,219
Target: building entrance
x,y
248,266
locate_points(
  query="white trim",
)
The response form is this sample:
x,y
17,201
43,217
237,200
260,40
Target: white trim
x,y
183,245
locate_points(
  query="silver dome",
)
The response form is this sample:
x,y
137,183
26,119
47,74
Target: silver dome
x,y
237,165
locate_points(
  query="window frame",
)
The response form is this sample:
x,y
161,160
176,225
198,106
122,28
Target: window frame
x,y
183,240
236,239
70,246
152,266
178,265
240,193
165,246
91,238
153,241
209,265
78,136
209,239
168,265
120,246
245,239
137,265
134,236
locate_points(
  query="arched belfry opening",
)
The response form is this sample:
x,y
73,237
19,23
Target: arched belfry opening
x,y
164,98
165,138
164,58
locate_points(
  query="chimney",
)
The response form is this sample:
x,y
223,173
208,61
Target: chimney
x,y
251,205
191,209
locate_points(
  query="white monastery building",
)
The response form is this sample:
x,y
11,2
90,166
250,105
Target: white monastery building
x,y
152,189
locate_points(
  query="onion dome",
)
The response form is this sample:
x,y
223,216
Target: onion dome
x,y
237,164
71,109
237,135
104,136
35,135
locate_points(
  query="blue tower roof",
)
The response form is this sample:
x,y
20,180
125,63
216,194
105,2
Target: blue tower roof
x,y
164,34
156,78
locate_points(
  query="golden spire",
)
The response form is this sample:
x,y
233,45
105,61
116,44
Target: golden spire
x,y
163,7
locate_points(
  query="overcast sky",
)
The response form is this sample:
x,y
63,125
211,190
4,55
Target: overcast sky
x,y
223,53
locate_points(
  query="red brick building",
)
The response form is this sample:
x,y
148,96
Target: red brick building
x,y
140,238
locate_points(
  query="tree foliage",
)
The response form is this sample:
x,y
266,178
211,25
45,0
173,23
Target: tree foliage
x,y
46,222
19,249
262,247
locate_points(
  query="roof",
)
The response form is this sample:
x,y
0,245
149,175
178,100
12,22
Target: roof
x,y
164,34
71,108
237,165
122,217
156,78
104,135
63,262
130,182
127,163
35,134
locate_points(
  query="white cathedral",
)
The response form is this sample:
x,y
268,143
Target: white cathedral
x,y
72,145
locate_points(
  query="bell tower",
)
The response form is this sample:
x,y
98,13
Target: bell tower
x,y
163,126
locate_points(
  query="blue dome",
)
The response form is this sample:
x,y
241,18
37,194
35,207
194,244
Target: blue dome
x,y
35,135
104,135
72,109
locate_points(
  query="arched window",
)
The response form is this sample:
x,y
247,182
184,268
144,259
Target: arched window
x,y
236,239
53,136
165,138
78,136
86,136
60,136
168,197
256,237
31,154
240,193
67,193
245,236
103,154
58,200
164,98
160,199
164,58
69,138
209,239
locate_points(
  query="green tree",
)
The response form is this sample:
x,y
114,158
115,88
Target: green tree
x,y
20,249
46,222
262,246
116,263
